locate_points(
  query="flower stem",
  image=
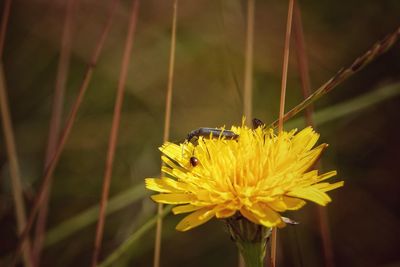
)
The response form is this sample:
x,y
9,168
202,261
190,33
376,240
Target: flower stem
x,y
253,253
250,238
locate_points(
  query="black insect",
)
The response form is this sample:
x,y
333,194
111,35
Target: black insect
x,y
194,161
214,132
206,132
257,123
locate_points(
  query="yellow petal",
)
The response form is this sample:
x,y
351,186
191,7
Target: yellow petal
x,y
293,203
249,215
185,209
305,140
179,186
327,175
172,198
310,159
160,185
224,213
312,194
286,203
327,186
179,153
195,219
172,164
277,205
265,215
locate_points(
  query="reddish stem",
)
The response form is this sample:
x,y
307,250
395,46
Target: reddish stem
x,y
308,115
282,105
67,130
114,132
55,125
168,101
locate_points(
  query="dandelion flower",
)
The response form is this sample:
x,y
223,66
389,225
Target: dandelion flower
x,y
257,176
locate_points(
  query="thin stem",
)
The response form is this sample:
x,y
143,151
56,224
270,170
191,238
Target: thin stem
x,y
3,27
68,127
282,105
302,60
15,175
248,77
273,247
248,64
241,262
343,74
167,122
285,65
353,106
14,167
114,131
55,124
306,90
326,236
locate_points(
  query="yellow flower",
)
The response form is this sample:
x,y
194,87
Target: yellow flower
x,y
258,175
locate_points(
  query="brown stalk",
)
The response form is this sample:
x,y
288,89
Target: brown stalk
x,y
114,131
14,168
285,65
248,64
4,23
55,124
343,74
248,76
167,123
67,129
302,61
15,175
282,105
306,91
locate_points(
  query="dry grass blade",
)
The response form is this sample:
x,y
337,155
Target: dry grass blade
x,y
248,66
86,217
14,168
114,131
133,238
352,106
282,105
67,129
306,90
302,60
167,123
4,23
285,65
248,77
55,123
10,143
377,49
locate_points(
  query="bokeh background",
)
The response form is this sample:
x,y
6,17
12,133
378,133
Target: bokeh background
x,y
208,84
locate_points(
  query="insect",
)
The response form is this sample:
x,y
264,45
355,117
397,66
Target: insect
x,y
194,161
214,132
206,132
257,123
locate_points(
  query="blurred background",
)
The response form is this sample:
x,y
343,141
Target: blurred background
x,y
208,90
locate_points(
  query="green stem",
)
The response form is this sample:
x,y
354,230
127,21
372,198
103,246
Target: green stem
x,y
253,253
250,238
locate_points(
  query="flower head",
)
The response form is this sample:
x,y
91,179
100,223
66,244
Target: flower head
x,y
258,175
